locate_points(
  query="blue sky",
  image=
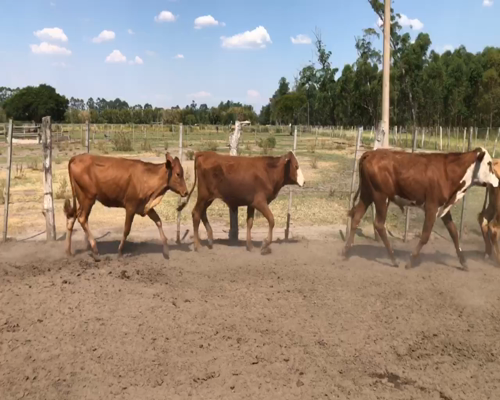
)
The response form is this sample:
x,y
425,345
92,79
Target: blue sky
x,y
218,63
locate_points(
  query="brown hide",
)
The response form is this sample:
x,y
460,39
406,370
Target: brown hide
x,y
489,218
134,185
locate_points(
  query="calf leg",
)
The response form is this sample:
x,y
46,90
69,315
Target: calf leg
x,y
250,216
70,223
381,206
356,214
430,218
197,212
483,225
156,219
129,218
452,230
83,219
210,233
493,230
264,209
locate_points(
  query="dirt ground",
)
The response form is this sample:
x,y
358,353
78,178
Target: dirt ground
x,y
227,324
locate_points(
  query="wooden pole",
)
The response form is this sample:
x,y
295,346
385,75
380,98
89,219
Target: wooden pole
x,y
288,215
487,138
87,137
7,187
449,138
178,239
465,196
465,137
233,213
48,200
407,213
423,138
441,138
386,81
353,179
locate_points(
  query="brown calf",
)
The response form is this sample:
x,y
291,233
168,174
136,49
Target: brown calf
x,y
134,185
489,218
432,182
241,181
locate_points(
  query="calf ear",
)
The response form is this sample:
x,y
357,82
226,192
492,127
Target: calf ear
x,y
288,156
480,156
169,160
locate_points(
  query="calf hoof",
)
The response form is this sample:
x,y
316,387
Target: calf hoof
x,y
265,251
95,256
249,248
210,245
345,253
166,253
69,253
412,262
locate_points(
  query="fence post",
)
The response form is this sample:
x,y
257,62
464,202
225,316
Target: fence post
x,y
465,196
449,138
423,138
465,137
178,240
133,134
48,200
407,213
287,229
441,138
7,187
487,138
475,139
353,179
233,213
87,137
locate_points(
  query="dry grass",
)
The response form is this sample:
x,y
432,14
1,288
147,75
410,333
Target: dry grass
x,y
62,190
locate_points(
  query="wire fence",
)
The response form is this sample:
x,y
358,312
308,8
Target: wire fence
x,y
325,154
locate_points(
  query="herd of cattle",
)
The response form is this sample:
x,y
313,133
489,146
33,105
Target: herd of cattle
x,y
432,182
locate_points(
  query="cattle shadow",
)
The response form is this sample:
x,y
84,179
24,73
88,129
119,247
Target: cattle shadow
x,y
257,244
135,249
378,253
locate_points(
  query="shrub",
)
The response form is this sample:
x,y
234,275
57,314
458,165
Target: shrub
x,y
211,145
145,145
2,189
20,172
101,146
311,148
33,165
166,145
190,154
248,146
121,142
314,163
62,189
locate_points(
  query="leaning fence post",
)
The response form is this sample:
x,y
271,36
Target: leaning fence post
x,y
48,200
353,179
7,187
407,212
87,137
178,240
465,196
287,229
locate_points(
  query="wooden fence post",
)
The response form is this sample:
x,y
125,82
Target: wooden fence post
x,y
178,239
407,213
441,138
423,138
465,196
287,229
463,143
353,179
7,187
487,138
87,137
48,200
449,138
233,213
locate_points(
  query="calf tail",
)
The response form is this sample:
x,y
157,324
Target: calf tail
x,y
69,210
185,201
351,211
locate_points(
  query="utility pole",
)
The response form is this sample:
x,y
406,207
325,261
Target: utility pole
x,y
387,74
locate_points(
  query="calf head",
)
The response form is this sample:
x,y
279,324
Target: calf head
x,y
293,173
484,173
176,181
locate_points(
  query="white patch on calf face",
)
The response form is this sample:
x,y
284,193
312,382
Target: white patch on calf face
x,y
300,178
485,172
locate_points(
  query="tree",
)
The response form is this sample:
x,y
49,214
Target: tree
x,y
34,103
148,106
91,104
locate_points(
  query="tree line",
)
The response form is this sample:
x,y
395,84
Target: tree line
x,y
455,88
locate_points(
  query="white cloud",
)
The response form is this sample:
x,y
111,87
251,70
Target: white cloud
x,y
104,36
165,16
48,48
206,21
179,56
301,39
253,93
150,53
256,39
130,32
448,47
487,3
136,60
116,56
51,34
380,23
414,24
60,64
199,95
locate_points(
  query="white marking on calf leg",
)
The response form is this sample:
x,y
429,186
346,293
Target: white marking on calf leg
x,y
300,177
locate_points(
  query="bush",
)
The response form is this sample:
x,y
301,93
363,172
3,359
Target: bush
x,y
211,145
121,142
62,189
248,146
2,189
267,144
166,145
314,163
190,154
20,172
146,146
101,146
311,148
33,165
